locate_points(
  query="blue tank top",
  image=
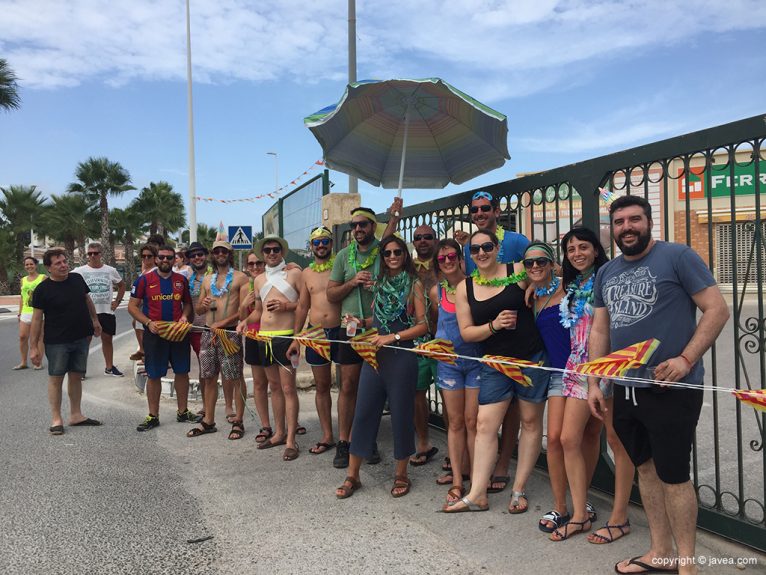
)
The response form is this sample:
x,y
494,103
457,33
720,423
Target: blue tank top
x,y
555,336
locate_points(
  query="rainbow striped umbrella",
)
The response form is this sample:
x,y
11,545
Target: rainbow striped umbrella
x,y
441,134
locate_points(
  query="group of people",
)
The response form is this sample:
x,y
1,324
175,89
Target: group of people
x,y
492,292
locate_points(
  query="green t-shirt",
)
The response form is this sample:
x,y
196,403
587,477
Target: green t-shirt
x,y
27,287
359,301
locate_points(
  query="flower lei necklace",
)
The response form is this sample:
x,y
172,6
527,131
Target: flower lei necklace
x,y
500,234
352,249
214,289
192,280
550,289
448,288
323,267
583,297
391,295
479,279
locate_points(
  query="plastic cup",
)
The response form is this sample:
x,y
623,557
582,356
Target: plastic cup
x,y
515,316
295,360
351,328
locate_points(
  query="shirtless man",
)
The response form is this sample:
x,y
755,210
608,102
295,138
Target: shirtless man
x,y
276,300
323,313
219,301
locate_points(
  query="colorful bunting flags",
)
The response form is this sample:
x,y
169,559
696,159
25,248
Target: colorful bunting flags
x,y
315,339
617,364
173,330
755,398
362,346
229,347
439,349
510,367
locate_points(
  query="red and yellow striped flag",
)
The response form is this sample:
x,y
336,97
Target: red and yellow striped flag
x,y
254,335
617,364
172,330
229,347
513,371
315,339
755,398
362,346
438,349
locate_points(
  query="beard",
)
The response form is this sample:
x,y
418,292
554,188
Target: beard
x,y
642,241
365,240
324,256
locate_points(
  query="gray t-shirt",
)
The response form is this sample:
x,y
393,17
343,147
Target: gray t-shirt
x,y
651,298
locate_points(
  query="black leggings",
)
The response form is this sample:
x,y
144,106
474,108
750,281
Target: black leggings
x,y
396,380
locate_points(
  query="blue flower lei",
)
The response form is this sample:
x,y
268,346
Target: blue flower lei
x,y
192,279
583,296
226,283
549,289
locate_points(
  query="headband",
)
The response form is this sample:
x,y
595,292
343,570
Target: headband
x,y
483,196
320,232
369,214
543,247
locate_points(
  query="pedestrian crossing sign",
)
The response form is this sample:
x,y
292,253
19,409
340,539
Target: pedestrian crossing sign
x,y
241,237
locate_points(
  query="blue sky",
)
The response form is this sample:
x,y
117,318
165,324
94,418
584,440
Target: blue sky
x,y
576,78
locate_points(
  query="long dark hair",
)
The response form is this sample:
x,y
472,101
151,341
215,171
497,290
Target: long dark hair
x,y
584,235
446,243
407,265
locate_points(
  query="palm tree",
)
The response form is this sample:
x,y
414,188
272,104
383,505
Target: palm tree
x,y
205,235
6,257
162,208
9,94
128,225
99,178
21,207
71,220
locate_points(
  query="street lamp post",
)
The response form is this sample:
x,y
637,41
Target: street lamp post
x,y
276,169
192,178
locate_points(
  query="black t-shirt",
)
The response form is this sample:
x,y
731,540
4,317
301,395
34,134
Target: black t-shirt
x,y
65,309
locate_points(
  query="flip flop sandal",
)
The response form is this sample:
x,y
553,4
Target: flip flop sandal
x,y
455,493
504,479
554,517
514,508
263,434
300,430
56,430
237,431
401,483
646,568
204,430
347,491
470,506
447,465
291,453
20,366
558,535
87,422
268,444
604,539
320,448
429,455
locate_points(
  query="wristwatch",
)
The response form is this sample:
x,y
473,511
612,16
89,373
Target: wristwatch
x,y
397,337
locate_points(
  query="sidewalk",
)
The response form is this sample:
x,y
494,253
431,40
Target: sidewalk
x,y
271,516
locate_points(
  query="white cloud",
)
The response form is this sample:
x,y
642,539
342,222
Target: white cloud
x,y
528,45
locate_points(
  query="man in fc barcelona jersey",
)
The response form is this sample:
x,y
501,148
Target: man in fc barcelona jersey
x,y
163,295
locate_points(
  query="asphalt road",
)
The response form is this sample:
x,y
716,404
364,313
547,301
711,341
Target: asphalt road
x,y
111,500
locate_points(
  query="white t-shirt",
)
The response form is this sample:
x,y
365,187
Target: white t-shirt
x,y
101,282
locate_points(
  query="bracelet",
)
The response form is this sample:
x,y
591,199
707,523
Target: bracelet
x,y
147,323
492,329
686,359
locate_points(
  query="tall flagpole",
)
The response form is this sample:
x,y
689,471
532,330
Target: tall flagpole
x,y
192,177
353,183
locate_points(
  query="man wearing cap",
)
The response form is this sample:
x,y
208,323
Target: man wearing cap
x,y
485,210
162,295
219,302
277,291
197,254
313,297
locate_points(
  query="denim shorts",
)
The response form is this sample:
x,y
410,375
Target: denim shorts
x,y
464,375
66,357
555,384
496,387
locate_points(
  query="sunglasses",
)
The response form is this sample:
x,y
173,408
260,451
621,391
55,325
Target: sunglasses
x,y
427,237
256,263
219,251
451,257
396,253
197,255
529,263
484,208
320,242
363,224
94,253
274,250
170,258
486,247
146,256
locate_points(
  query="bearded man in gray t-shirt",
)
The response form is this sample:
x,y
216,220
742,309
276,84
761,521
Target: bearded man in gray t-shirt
x,y
653,290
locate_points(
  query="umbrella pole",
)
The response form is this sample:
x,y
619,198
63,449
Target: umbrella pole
x,y
404,148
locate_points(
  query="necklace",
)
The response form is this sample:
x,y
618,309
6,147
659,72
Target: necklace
x,y
448,288
214,289
581,296
479,279
372,256
192,280
323,267
550,289
390,301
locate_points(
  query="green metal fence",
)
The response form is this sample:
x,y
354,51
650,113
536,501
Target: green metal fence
x,y
705,190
